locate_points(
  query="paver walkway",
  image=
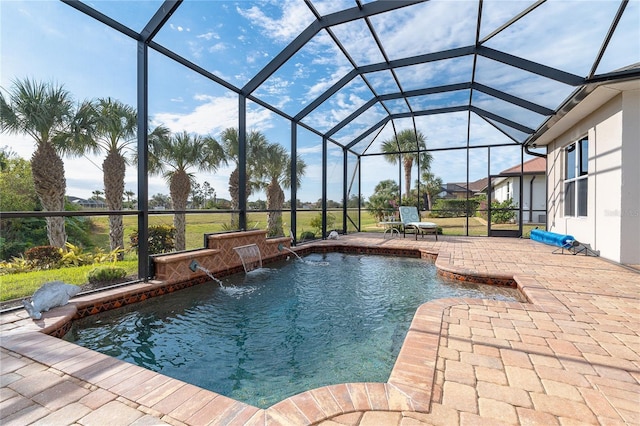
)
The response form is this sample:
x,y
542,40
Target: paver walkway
x,y
571,356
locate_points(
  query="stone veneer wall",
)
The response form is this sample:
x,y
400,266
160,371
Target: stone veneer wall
x,y
218,256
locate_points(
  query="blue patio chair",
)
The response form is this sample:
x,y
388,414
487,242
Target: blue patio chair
x,y
411,222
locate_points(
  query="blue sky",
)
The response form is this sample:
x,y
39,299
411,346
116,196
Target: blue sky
x,y
49,41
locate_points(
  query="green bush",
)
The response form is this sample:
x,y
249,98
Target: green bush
x,y
75,256
316,222
454,207
161,239
307,235
106,274
43,257
501,212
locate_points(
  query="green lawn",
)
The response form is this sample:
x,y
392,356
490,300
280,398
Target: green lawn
x,y
24,284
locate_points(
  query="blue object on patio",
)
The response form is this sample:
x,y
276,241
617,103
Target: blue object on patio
x,y
551,238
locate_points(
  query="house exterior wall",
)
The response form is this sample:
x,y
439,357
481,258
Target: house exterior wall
x,y
630,211
612,222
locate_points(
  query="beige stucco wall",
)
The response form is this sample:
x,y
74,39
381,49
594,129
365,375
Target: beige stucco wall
x,y
612,225
630,211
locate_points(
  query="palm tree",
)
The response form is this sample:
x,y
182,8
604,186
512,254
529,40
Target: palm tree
x,y
46,112
129,194
432,187
115,132
97,195
407,145
256,142
275,169
174,157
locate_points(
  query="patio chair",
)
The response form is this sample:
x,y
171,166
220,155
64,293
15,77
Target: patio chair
x,y
411,222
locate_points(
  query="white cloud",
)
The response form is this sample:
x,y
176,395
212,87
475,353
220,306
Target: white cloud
x,y
210,117
209,36
294,17
217,47
179,28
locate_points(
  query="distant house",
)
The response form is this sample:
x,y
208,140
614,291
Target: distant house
x,y
534,189
461,190
87,204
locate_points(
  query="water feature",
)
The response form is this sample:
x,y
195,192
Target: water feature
x,y
250,257
195,266
282,246
309,262
283,329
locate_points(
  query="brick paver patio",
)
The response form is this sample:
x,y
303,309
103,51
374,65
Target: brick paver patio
x,y
571,356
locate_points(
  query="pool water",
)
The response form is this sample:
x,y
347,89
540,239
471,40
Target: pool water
x,y
278,331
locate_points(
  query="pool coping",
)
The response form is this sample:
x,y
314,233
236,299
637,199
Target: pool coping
x,y
410,386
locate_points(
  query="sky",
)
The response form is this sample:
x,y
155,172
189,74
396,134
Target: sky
x,y
234,40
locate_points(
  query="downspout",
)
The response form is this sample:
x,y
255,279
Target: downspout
x,y
536,154
531,198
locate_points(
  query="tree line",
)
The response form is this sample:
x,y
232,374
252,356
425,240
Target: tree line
x,y
61,127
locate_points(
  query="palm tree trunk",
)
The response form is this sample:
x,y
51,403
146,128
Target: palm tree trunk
x,y
114,167
408,165
50,185
275,201
234,190
179,189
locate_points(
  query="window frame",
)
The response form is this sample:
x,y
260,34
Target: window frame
x,y
576,175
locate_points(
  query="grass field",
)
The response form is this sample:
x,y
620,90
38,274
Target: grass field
x,y
199,224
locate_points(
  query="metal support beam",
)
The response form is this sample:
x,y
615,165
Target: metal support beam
x,y
367,132
161,16
87,10
513,99
242,162
607,39
345,195
530,66
484,113
143,161
324,188
294,180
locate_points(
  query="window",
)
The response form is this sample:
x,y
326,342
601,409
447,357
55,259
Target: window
x,y
576,178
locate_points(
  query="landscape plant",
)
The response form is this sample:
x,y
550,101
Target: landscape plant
x,y
173,158
407,147
275,170
48,114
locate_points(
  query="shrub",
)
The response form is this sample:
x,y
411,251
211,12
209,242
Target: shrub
x,y
75,256
307,235
106,274
43,257
501,212
161,239
445,207
316,222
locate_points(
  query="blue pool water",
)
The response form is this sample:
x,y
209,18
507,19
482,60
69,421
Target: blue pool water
x,y
281,330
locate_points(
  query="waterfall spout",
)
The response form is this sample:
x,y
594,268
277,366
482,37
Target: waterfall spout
x,y
282,246
250,257
195,266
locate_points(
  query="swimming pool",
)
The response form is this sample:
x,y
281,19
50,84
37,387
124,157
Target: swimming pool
x,y
278,331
